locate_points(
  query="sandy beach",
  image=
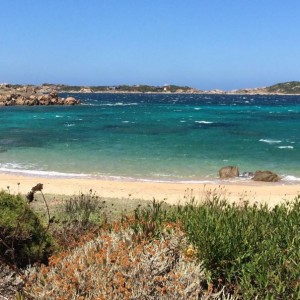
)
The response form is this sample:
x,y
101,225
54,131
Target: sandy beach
x,y
270,193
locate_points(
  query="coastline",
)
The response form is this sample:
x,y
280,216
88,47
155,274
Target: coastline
x,y
171,192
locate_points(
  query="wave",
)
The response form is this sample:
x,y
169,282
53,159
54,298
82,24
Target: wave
x,y
269,141
162,178
42,173
203,122
285,147
290,178
118,104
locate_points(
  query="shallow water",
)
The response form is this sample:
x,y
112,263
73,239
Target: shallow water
x,y
153,137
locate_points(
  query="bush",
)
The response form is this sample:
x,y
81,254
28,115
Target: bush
x,y
253,251
84,209
115,266
23,239
80,216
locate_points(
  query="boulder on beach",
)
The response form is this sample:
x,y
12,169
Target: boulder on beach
x,y
267,176
229,172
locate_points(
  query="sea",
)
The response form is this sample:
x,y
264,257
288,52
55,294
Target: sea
x,y
153,137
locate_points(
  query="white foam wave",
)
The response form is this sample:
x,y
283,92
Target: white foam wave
x,y
269,141
285,147
58,116
290,178
203,122
119,104
41,173
197,108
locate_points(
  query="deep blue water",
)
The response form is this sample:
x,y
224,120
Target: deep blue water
x,y
153,137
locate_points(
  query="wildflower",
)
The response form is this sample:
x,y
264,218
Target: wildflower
x,y
190,251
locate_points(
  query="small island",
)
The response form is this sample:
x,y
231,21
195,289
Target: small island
x,y
30,96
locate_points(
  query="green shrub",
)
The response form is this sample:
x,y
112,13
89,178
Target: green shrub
x,y
84,209
23,239
253,250
150,220
79,216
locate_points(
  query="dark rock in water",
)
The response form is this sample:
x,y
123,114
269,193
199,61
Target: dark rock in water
x,y
267,176
229,172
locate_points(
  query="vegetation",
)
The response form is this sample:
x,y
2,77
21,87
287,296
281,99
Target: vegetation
x,y
207,250
122,88
23,238
253,251
292,87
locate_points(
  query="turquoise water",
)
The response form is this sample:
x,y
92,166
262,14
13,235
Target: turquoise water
x,y
153,137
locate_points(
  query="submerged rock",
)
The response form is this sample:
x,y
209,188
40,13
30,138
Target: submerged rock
x,y
266,176
229,172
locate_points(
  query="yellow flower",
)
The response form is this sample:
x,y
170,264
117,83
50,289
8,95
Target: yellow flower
x,y
190,251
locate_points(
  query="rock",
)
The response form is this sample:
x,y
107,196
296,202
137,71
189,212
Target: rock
x,y
229,172
35,99
20,100
86,90
53,94
267,176
70,101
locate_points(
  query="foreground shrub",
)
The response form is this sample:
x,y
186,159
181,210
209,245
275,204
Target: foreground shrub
x,y
115,266
84,209
253,251
79,217
23,239
10,282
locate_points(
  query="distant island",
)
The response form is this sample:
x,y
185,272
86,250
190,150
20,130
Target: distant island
x,y
47,93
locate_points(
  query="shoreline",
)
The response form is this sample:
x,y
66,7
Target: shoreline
x,y
170,192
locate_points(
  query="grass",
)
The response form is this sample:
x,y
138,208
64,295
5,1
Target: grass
x,y
206,250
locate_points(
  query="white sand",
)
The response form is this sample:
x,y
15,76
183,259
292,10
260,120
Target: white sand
x,y
271,193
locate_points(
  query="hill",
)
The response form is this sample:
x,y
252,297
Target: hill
x,y
292,87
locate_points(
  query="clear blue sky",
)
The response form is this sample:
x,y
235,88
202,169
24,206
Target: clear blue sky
x,y
206,44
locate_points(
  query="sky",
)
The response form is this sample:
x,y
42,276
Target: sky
x,y
206,44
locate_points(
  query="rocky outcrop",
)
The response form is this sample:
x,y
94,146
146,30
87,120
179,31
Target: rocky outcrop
x,y
229,172
266,176
35,99
70,101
